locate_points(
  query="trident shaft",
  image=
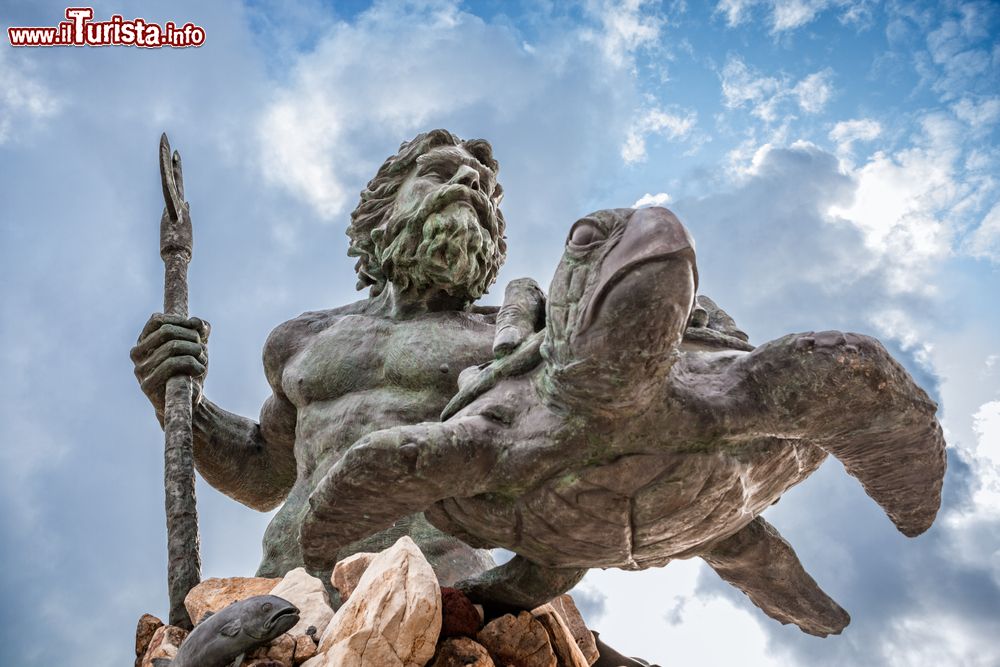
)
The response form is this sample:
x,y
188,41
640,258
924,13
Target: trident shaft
x,y
183,558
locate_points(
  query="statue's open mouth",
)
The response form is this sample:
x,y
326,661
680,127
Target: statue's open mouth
x,y
286,617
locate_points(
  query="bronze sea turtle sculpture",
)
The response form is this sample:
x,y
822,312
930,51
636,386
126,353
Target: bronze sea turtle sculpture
x,y
629,445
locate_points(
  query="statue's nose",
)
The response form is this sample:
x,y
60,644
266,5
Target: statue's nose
x,y
467,176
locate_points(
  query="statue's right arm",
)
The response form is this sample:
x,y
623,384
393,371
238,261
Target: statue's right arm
x,y
251,462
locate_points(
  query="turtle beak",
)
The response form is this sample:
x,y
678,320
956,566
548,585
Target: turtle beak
x,y
651,235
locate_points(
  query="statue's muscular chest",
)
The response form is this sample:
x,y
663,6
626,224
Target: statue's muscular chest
x,y
358,353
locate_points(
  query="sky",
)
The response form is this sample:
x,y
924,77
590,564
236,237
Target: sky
x,y
836,161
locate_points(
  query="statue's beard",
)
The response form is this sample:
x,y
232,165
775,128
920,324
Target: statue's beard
x,y
444,245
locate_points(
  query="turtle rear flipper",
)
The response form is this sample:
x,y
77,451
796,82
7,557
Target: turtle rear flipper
x,y
759,562
391,474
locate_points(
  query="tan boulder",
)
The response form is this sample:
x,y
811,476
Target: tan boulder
x,y
308,594
563,644
462,652
567,610
213,595
391,619
518,641
144,631
347,573
164,644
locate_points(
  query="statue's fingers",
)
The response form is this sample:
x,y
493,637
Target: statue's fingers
x,y
173,348
161,336
152,324
186,365
157,320
522,314
203,327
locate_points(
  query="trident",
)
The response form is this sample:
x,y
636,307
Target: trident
x,y
183,559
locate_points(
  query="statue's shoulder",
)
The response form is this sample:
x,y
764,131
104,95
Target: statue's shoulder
x,y
288,338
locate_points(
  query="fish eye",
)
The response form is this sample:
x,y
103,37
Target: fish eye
x,y
267,606
584,233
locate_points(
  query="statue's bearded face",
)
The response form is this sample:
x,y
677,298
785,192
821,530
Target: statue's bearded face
x,y
444,231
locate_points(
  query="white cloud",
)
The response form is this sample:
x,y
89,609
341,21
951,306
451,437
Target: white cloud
x,y
659,199
743,86
23,99
636,619
984,242
671,125
961,51
905,203
846,132
736,11
986,423
787,15
814,91
978,114
375,81
625,27
791,14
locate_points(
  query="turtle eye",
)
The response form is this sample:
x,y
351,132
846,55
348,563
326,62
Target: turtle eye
x,y
585,233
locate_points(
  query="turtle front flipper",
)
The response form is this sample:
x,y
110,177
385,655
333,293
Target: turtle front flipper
x,y
844,393
759,562
393,473
519,584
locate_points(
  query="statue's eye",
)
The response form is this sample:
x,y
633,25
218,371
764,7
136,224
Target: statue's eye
x,y
432,169
266,607
584,233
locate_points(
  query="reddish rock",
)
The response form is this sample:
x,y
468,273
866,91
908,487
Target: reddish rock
x,y
459,617
144,631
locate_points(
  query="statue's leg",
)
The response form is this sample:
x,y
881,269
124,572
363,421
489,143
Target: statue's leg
x,y
519,584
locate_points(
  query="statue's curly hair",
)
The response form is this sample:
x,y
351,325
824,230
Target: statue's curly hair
x,y
379,195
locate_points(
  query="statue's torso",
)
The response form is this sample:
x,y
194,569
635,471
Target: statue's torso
x,y
356,373
364,373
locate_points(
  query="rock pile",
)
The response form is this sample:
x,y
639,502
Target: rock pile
x,y
395,614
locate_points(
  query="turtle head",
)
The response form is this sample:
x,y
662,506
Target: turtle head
x,y
617,308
